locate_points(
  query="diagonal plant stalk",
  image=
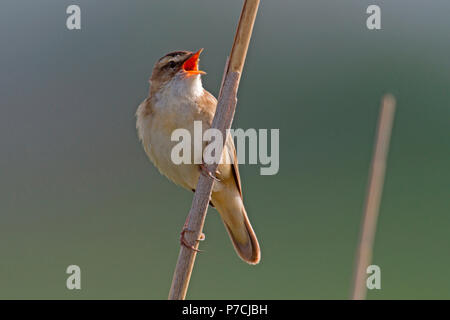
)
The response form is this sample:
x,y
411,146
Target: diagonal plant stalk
x,y
373,197
223,118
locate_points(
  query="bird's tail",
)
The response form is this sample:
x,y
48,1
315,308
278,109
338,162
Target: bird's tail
x,y
243,237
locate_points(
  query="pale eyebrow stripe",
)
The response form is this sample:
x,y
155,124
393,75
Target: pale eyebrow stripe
x,y
174,54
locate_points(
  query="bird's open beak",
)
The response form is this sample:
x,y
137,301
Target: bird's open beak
x,y
190,66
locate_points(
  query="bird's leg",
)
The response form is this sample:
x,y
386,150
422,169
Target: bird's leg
x,y
183,240
206,172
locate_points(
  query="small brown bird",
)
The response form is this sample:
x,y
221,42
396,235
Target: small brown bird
x,y
177,99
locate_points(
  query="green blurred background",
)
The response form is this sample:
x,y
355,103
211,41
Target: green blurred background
x,y
77,188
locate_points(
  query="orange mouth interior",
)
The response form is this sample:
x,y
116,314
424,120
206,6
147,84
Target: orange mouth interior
x,y
191,65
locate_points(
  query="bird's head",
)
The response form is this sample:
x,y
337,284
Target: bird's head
x,y
179,65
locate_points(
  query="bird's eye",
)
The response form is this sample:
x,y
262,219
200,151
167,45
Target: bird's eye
x,y
171,64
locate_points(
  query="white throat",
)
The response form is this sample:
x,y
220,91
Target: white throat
x,y
182,86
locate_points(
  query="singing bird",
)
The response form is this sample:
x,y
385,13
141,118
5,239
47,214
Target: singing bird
x,y
177,99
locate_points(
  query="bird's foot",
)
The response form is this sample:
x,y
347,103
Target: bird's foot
x,y
185,243
206,172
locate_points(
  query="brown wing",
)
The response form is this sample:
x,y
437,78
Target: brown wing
x,y
235,165
208,103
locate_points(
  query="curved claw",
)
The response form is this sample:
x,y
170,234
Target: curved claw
x,y
208,173
184,242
